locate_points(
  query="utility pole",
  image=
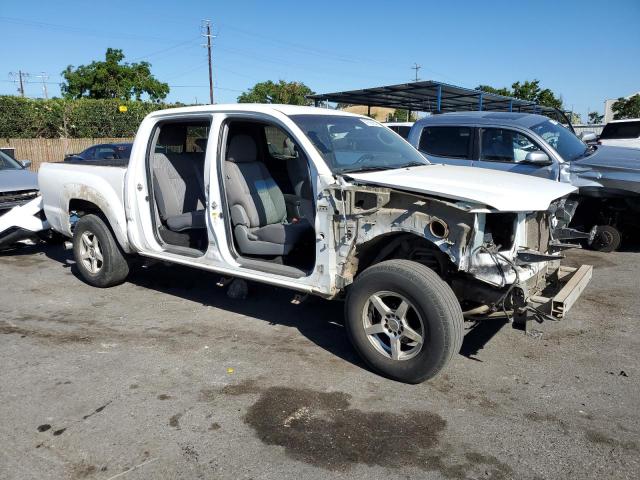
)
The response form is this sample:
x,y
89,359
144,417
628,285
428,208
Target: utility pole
x,y
206,32
23,77
416,67
20,78
44,77
21,84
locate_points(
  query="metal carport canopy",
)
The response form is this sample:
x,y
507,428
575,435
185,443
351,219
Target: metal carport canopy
x,y
436,97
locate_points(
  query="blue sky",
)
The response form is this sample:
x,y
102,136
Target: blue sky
x,y
586,51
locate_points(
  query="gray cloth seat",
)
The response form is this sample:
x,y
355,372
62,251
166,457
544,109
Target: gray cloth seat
x,y
178,180
299,177
257,205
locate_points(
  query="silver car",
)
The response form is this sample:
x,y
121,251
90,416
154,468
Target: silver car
x,y
21,215
608,177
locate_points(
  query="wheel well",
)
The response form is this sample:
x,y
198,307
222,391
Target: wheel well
x,y
402,245
83,207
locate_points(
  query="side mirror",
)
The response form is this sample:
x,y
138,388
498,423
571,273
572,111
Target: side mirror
x,y
588,137
537,158
25,163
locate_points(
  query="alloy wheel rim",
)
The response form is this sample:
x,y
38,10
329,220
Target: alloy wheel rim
x,y
393,325
91,252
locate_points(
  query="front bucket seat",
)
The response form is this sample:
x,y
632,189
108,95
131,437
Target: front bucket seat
x,y
257,205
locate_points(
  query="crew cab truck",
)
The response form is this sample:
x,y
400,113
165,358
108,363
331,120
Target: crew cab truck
x,y
325,203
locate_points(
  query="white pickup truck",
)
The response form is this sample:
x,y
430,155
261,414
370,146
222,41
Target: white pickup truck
x,y
330,204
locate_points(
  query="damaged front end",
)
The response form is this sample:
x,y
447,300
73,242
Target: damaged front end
x,y
495,261
21,217
521,273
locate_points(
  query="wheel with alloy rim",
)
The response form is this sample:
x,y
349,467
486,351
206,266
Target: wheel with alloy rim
x,y
393,325
91,252
99,258
404,321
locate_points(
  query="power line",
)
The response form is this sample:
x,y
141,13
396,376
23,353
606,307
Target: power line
x,y
86,31
22,78
164,50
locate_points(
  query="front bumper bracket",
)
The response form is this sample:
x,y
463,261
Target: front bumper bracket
x,y
572,281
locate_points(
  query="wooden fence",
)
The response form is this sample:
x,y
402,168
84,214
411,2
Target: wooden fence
x,y
40,150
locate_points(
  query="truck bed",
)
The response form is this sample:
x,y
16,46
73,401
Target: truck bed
x,y
113,162
101,185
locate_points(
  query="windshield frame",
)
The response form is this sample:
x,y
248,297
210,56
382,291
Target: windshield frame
x,y
577,154
326,148
8,159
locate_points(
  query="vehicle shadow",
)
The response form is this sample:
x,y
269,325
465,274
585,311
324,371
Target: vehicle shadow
x,y
630,245
320,321
478,334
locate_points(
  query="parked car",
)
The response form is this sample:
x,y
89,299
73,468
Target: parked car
x,y
608,177
401,128
325,203
104,153
621,133
21,215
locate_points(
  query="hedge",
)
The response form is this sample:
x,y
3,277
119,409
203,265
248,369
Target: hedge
x,y
84,118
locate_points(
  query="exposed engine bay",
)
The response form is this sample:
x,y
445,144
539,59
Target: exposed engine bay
x,y
492,259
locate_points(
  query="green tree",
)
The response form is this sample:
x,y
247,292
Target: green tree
x,y
112,78
626,108
401,115
595,117
528,90
498,91
292,93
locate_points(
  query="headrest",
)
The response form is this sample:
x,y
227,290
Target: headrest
x,y
202,144
172,135
242,149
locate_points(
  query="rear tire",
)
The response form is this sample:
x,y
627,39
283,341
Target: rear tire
x,y
403,320
100,260
607,239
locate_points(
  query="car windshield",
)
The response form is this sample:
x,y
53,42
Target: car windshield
x,y
355,144
8,163
562,140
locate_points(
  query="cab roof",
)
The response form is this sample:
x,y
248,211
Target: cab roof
x,y
256,107
483,118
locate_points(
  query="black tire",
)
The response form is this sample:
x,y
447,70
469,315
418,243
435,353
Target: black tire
x,y
431,299
114,267
607,239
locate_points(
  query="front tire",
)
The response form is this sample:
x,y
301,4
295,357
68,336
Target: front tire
x,y
403,320
607,239
100,260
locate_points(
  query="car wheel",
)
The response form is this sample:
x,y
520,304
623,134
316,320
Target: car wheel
x,y
606,239
403,320
100,260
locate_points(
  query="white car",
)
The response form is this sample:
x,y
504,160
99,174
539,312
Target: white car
x,y
401,128
325,203
621,133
